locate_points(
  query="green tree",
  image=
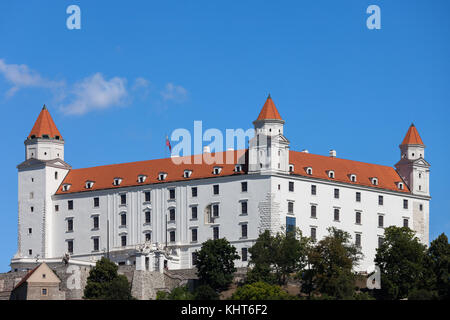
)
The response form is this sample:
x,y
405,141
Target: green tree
x,y
402,261
215,264
104,283
332,261
261,291
439,263
274,258
205,292
178,293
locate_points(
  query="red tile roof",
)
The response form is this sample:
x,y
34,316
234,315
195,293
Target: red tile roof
x,y
269,111
412,136
103,176
387,177
44,125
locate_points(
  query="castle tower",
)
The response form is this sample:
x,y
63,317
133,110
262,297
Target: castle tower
x,y
44,141
269,149
412,167
39,177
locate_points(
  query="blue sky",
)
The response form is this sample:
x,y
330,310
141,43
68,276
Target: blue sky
x,y
137,70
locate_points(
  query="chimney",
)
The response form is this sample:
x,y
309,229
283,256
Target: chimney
x,y
206,149
333,153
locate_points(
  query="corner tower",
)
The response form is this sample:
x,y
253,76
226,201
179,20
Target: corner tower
x,y
39,177
269,149
44,141
413,167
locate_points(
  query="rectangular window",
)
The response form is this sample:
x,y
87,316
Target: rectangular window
x,y
44,291
171,194
30,230
421,207
194,235
336,193
290,224
358,197
95,220
358,217
244,186
243,230
123,219
172,214
70,246
244,254
194,258
216,189
313,190
96,202
313,234
336,214
148,217
380,221
96,244
358,240
56,208
69,224
216,233
194,192
405,223
148,236
405,204
215,208
123,199
244,207
380,241
70,204
123,241
291,186
290,207
32,209
194,213
313,211
147,196
380,200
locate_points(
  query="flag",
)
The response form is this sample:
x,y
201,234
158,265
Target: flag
x,y
168,143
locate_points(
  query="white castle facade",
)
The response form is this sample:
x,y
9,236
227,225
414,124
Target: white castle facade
x,y
155,214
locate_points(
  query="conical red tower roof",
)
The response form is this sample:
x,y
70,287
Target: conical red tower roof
x,y
44,125
412,136
269,111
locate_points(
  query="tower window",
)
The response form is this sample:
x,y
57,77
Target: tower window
x,y
123,220
215,208
313,234
380,241
172,194
244,230
216,189
147,217
243,186
358,196
123,199
244,254
147,196
405,223
290,207
69,225
358,217
313,190
380,200
358,240
30,230
95,244
172,214
194,235
148,236
32,209
244,207
172,236
215,233
194,192
380,221
56,175
70,204
95,222
123,240
70,246
313,211
194,213
405,204
96,202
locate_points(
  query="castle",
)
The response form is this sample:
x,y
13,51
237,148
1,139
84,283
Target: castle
x,y
153,215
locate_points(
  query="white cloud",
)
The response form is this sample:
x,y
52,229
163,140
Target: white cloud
x,y
174,93
21,76
96,93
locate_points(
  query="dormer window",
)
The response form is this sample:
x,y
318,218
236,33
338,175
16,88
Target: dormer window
x,y
66,187
33,136
309,170
45,136
162,176
117,181
89,184
331,174
187,173
353,177
57,137
400,185
291,168
375,181
238,168
217,170
141,178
